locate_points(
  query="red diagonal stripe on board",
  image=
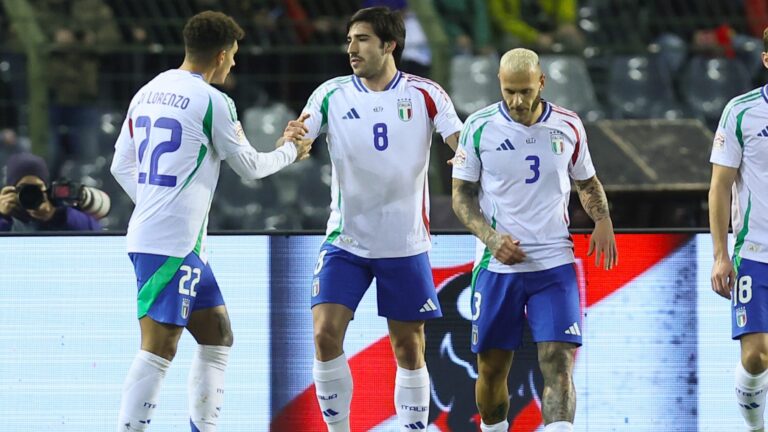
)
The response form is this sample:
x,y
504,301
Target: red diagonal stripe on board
x,y
373,369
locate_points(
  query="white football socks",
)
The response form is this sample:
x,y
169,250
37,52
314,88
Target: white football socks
x,y
750,395
412,398
333,385
141,391
496,427
205,386
559,426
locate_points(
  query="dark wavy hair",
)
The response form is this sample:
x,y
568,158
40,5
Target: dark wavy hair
x,y
387,24
208,33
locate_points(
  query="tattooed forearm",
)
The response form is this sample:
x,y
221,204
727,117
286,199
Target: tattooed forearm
x,y
592,197
467,209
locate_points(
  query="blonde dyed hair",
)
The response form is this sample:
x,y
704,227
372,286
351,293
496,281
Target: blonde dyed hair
x,y
519,60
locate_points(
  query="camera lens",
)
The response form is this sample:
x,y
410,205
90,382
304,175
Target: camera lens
x,y
30,196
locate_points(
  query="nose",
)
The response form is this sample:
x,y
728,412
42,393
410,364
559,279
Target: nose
x,y
516,99
352,47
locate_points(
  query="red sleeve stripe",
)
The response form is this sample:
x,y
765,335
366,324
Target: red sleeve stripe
x,y
419,79
575,155
562,111
431,107
130,126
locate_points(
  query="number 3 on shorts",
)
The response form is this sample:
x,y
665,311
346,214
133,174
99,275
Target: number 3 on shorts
x,y
478,298
319,265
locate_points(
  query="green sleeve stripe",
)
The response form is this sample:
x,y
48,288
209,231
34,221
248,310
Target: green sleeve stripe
x,y
476,138
324,107
156,284
741,236
749,97
739,130
207,130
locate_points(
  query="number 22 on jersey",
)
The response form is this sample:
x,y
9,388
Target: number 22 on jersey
x,y
158,149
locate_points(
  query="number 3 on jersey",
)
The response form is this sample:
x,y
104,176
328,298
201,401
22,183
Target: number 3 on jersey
x,y
380,139
169,146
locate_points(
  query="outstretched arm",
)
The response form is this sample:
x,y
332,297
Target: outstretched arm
x,y
595,203
467,209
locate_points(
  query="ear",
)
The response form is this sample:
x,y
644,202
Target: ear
x,y
220,57
388,45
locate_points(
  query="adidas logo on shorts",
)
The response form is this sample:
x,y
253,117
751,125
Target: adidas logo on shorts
x,y
573,330
429,306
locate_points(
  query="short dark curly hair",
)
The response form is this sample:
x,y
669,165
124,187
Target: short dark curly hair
x,y
208,33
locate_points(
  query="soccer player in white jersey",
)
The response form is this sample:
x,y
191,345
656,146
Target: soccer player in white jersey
x,y
167,158
511,184
379,123
739,166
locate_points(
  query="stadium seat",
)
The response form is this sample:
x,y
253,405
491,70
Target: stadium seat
x,y
474,82
641,87
265,124
707,84
569,85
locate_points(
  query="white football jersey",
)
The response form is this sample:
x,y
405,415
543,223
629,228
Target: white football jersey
x,y
741,141
379,145
525,180
180,129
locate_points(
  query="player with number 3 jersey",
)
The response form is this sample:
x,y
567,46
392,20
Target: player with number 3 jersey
x,y
379,123
167,158
511,185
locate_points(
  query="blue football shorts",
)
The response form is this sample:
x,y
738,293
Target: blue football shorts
x,y
549,299
171,288
405,290
749,299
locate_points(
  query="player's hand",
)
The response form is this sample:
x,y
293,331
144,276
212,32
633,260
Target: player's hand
x,y
506,249
303,146
8,202
604,243
296,129
723,277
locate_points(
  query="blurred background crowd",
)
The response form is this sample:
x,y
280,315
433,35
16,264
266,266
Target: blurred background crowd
x,y
648,77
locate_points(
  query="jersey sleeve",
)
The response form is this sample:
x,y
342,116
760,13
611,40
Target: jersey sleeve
x,y
440,109
466,161
317,108
226,133
580,167
726,149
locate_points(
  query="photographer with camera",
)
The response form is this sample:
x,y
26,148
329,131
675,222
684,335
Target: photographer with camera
x,y
27,204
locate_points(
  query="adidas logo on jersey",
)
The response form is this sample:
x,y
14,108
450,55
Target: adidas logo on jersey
x,y
429,306
351,114
573,330
506,145
764,132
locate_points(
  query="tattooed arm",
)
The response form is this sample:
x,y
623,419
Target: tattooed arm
x,y
467,209
592,197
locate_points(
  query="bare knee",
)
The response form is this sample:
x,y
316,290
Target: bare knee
x,y
754,359
491,372
329,338
556,362
409,352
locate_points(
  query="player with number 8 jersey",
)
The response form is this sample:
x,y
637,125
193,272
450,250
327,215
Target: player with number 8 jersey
x,y
167,158
379,123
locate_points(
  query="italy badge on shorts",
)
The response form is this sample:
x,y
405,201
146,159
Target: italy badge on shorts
x,y
741,317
